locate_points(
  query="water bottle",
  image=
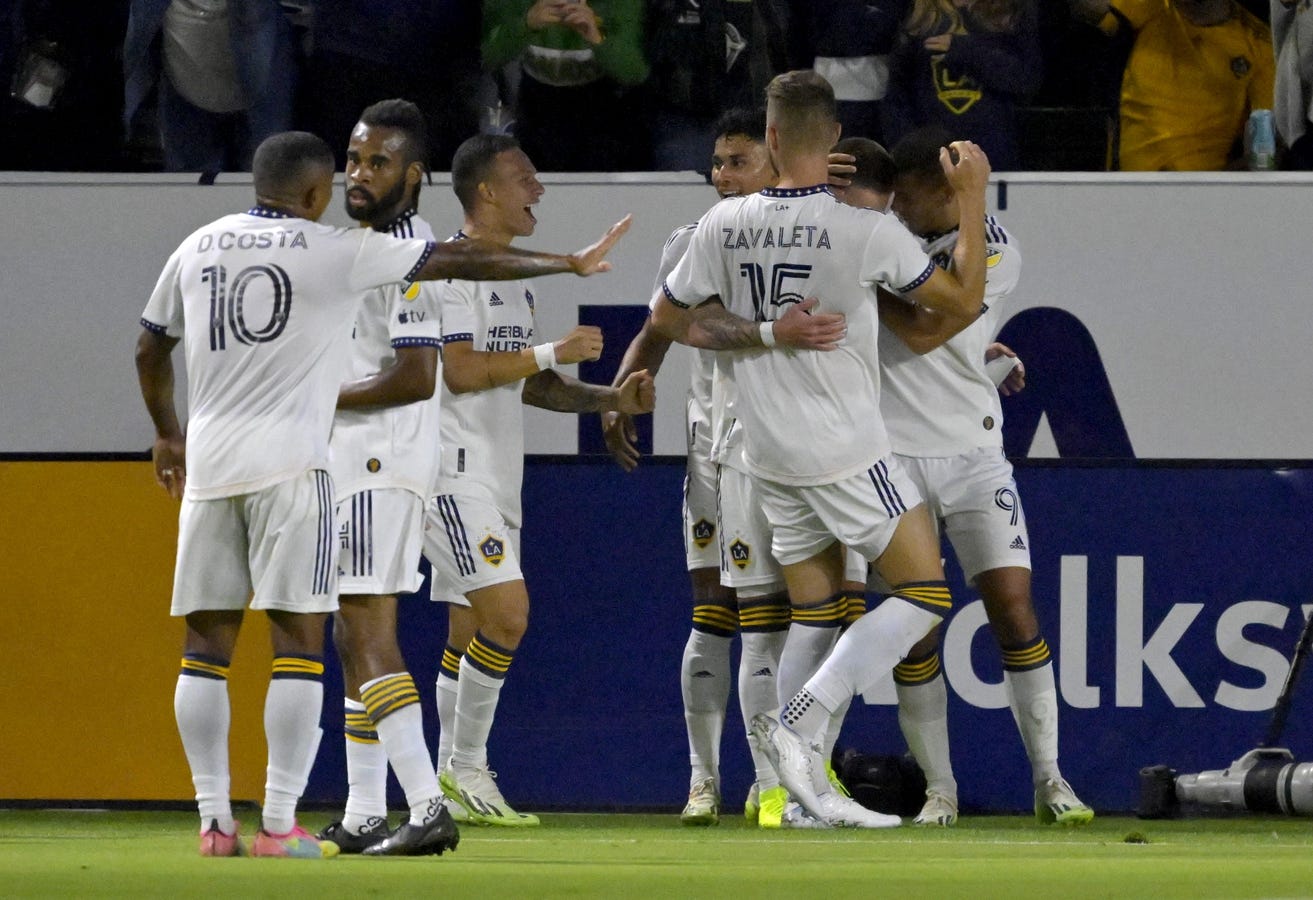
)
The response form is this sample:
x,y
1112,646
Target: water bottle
x,y
1261,141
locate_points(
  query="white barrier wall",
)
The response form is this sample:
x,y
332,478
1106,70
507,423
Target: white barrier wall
x,y
1192,287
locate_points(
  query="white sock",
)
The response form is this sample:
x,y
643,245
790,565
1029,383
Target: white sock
x,y
868,649
393,704
805,648
758,666
291,727
923,719
704,679
833,728
476,704
201,708
1034,700
366,770
446,694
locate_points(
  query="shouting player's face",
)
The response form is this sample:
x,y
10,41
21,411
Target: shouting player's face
x,y
379,182
741,166
512,189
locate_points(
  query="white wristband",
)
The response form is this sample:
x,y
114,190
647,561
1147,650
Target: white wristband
x,y
545,356
767,332
1000,367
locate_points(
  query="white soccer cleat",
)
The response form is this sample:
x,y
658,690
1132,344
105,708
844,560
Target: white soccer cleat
x,y
939,810
476,791
703,807
1057,804
802,771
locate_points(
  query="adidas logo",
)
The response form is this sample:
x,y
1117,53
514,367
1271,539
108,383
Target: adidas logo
x,y
494,300
1017,544
764,671
703,674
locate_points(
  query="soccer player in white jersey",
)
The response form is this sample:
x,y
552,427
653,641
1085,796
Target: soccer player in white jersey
x,y
491,367
384,466
945,423
263,302
742,592
815,443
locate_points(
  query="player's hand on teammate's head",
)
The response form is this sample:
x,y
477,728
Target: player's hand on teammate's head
x,y
965,166
802,329
842,167
544,13
582,344
169,454
621,436
592,258
636,394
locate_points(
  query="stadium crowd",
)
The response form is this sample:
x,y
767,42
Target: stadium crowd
x,y
602,85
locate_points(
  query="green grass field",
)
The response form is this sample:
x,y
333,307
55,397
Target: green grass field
x,y
153,854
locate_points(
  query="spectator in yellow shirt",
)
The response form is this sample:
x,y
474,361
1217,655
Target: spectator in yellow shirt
x,y
1197,68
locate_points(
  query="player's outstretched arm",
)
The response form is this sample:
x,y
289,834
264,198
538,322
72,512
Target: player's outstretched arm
x,y
478,260
465,369
561,393
154,358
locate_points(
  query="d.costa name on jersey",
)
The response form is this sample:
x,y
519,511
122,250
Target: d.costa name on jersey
x,y
811,236
252,240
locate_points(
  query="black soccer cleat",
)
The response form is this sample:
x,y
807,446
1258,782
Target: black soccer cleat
x,y
435,837
376,831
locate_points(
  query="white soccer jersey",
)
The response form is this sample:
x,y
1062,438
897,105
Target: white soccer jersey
x,y
483,431
808,417
264,304
942,403
396,446
702,365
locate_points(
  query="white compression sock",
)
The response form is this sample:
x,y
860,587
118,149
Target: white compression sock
x,y
758,665
1033,697
203,713
704,679
366,770
923,719
291,725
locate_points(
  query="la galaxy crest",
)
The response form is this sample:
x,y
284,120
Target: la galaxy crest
x,y
740,553
493,550
703,532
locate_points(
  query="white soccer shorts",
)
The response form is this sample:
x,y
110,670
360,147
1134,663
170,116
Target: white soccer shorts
x,y
276,546
860,511
469,546
745,537
379,536
975,496
701,548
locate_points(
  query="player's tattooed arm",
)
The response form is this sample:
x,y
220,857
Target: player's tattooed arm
x,y
712,327
478,260
560,393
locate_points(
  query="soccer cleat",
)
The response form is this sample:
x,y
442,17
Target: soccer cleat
x,y
375,830
296,844
794,816
215,843
752,806
939,809
773,804
1057,804
802,771
703,807
476,791
433,838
